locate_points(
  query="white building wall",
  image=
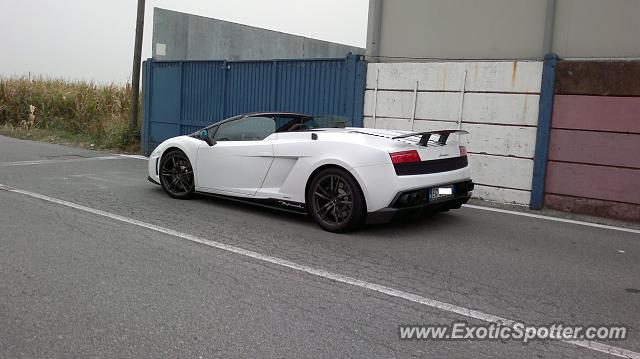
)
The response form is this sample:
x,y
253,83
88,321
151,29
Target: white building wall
x,y
501,29
597,29
499,109
460,29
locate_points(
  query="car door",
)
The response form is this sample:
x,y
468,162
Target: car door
x,y
239,158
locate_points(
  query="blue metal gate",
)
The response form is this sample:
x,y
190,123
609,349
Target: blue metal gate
x,y
181,97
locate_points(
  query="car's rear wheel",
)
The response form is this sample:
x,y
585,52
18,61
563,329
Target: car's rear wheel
x,y
335,201
176,175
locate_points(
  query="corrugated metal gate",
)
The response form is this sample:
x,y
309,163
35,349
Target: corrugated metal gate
x,y
181,97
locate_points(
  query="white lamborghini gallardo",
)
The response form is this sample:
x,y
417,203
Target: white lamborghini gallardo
x,y
342,177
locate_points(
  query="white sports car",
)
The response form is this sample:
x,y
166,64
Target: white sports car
x,y
342,177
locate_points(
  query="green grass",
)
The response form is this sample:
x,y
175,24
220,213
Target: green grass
x,y
72,112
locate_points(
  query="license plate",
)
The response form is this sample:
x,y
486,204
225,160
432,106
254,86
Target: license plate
x,y
441,192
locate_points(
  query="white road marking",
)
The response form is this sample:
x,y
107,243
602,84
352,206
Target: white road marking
x,y
43,162
555,219
138,157
452,308
82,159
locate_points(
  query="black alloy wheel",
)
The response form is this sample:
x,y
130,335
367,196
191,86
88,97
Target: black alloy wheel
x,y
335,201
176,175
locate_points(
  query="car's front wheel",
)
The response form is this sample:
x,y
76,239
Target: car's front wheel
x,y
335,201
176,175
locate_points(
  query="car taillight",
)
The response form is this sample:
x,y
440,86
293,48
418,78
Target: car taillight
x,y
463,151
404,157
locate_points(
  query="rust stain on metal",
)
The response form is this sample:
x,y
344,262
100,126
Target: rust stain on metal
x,y
475,73
514,71
444,78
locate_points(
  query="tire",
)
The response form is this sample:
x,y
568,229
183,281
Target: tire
x,y
176,175
335,201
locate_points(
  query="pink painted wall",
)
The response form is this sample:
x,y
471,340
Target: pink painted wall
x,y
596,207
598,182
594,147
600,113
599,148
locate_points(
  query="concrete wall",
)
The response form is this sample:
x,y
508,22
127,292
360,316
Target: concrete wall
x,y
597,28
500,110
180,36
502,29
593,166
462,29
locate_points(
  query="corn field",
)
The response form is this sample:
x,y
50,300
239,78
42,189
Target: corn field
x,y
98,112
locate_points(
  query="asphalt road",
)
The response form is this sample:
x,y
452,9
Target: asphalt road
x,y
85,283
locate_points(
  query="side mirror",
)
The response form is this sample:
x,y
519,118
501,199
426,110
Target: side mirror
x,y
204,135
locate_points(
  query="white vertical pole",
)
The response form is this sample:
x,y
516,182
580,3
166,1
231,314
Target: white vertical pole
x,y
375,98
464,85
415,101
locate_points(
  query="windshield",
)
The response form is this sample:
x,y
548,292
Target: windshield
x,y
292,123
289,123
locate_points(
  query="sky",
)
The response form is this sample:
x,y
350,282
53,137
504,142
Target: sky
x,y
93,39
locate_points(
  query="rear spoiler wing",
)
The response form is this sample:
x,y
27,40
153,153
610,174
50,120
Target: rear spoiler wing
x,y
425,136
